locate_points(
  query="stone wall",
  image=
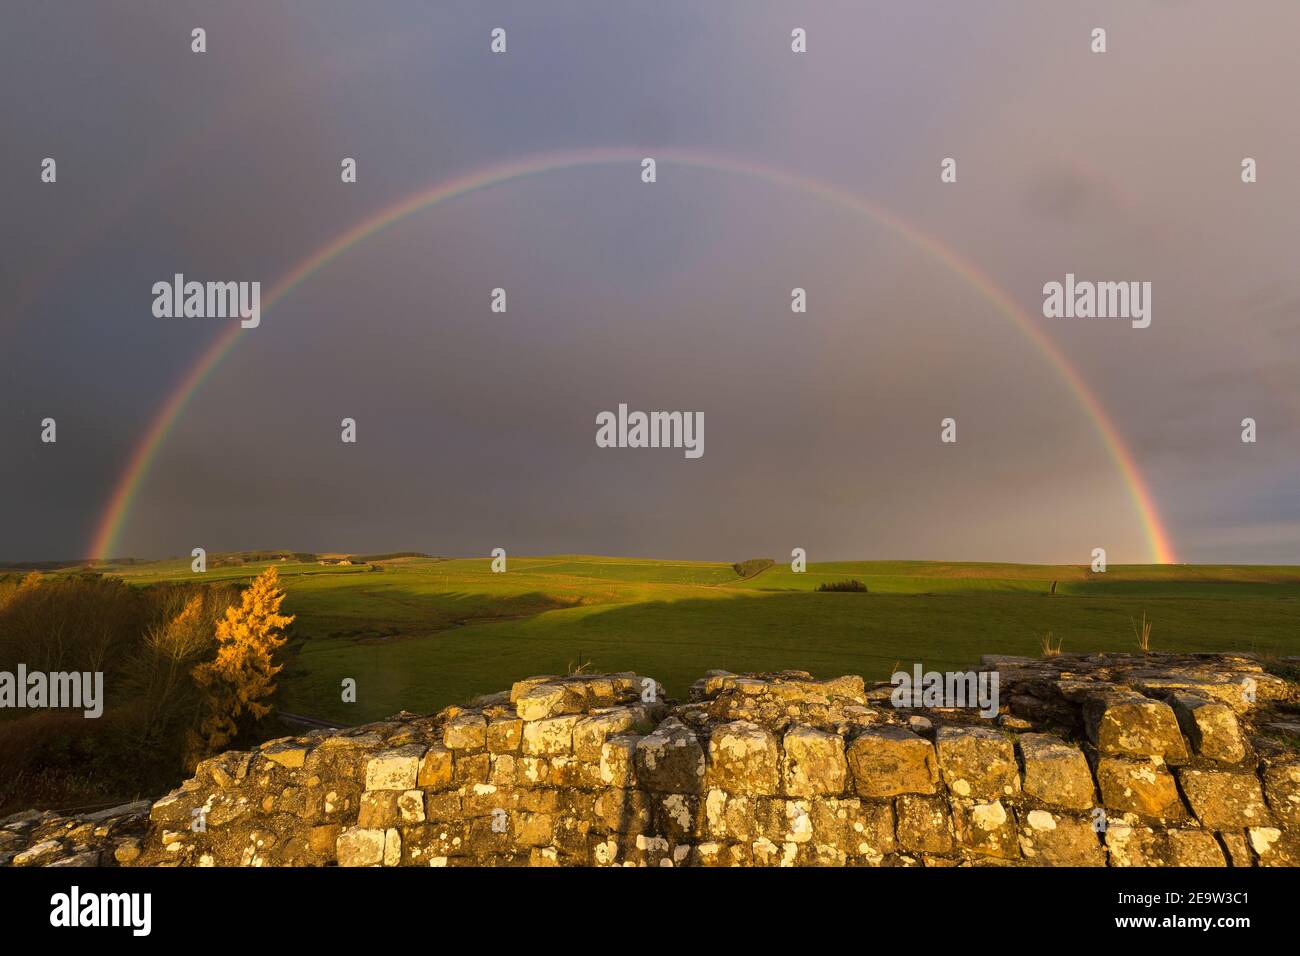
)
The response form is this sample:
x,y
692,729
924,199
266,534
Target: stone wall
x,y
1119,760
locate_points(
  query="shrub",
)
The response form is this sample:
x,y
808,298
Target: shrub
x,y
65,622
852,584
747,569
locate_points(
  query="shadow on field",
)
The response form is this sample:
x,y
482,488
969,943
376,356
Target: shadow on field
x,y
868,634
390,615
824,634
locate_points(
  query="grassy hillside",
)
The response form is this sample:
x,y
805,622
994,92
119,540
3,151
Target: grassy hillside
x,y
419,633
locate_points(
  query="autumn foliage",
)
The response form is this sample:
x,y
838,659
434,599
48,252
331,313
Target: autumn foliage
x,y
240,680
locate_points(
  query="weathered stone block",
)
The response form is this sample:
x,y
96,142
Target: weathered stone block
x,y
1056,772
392,847
924,824
590,732
504,771
338,802
287,753
1143,846
435,768
977,762
572,836
823,854
768,853
483,799
863,829
618,761
798,822
1144,787
360,847
395,769
442,807
549,801
1275,847
485,841
323,840
1211,727
533,829
815,764
1238,691
550,736
504,734
599,691
768,817
623,811
986,829
1225,800
40,854
1238,847
1194,848
128,850
230,807
432,845
675,816
831,822
646,850
378,809
355,739
886,761
537,703
226,770
1053,839
174,808
571,773
1282,790
715,818
410,807
543,856
671,760
471,768
715,855
1126,724
465,732
742,758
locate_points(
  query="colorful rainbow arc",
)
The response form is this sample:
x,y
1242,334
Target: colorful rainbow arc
x,y
122,499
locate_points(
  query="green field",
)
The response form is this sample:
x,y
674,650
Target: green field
x,y
420,633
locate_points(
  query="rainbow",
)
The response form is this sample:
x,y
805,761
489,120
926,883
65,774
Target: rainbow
x,y
120,502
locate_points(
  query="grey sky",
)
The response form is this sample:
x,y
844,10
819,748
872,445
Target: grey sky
x,y
822,430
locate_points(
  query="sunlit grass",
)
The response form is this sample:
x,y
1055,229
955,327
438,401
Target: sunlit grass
x,y
421,633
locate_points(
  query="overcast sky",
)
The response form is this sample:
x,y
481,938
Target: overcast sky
x,y
477,430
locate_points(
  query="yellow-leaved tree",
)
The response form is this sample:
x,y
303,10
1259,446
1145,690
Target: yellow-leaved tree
x,y
241,679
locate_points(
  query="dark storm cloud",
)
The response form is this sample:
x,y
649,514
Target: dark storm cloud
x,y
477,430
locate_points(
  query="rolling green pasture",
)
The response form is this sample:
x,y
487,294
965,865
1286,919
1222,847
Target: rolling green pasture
x,y
420,633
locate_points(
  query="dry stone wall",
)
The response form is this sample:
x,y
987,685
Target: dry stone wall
x,y
1119,760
